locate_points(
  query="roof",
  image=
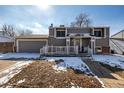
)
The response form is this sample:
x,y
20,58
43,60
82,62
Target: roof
x,y
6,39
62,26
32,37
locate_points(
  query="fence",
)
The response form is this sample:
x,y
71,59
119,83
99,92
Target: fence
x,y
59,50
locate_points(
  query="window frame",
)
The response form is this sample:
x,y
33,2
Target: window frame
x,y
98,30
59,31
55,33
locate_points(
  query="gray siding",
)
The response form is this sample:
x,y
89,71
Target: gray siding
x,y
78,30
62,42
85,42
56,42
103,41
31,46
51,32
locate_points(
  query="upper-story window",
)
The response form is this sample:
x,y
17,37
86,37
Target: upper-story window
x,y
60,33
98,33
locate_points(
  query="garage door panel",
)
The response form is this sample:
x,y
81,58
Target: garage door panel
x,y
31,46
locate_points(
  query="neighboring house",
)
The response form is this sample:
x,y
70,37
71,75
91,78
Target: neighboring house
x,y
67,40
119,35
117,42
6,43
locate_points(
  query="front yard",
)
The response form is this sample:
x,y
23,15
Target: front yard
x,y
47,72
27,70
44,74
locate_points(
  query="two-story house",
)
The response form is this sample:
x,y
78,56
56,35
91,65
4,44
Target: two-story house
x,y
67,40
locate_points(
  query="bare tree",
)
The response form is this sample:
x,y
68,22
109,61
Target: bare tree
x,y
9,30
82,20
24,32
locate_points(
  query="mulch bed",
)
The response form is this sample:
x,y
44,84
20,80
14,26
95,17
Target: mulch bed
x,y
40,74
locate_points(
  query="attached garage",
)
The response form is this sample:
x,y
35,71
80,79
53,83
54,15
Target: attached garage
x,y
31,44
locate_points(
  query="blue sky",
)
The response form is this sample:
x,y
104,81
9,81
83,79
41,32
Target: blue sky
x,y
38,18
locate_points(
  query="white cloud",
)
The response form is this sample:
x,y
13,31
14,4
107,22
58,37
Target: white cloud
x,y
36,28
43,7
21,26
38,25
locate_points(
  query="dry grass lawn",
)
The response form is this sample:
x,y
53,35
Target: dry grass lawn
x,y
41,74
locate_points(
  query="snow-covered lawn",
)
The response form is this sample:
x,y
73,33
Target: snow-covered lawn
x,y
7,74
19,55
112,60
70,62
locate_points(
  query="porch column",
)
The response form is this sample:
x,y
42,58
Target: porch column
x,y
80,44
46,49
76,48
92,45
67,45
67,48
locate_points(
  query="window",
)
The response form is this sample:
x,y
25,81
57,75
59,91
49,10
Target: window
x,y
60,33
98,33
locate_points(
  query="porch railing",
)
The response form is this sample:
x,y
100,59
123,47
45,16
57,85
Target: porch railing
x,y
59,50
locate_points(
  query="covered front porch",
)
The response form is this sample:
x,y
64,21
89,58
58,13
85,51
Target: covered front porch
x,y
74,46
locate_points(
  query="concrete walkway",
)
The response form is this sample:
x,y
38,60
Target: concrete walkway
x,y
110,79
4,64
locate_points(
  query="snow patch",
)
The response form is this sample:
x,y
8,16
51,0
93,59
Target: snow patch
x,y
112,60
13,70
59,68
21,81
19,55
100,81
51,60
74,86
71,62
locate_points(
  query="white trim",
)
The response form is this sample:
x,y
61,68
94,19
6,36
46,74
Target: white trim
x,y
17,46
60,30
100,29
104,32
67,40
17,42
92,31
60,37
32,39
74,42
54,32
59,50
94,46
66,32
80,44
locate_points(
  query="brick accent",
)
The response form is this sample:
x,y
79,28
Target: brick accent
x,y
105,50
6,47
